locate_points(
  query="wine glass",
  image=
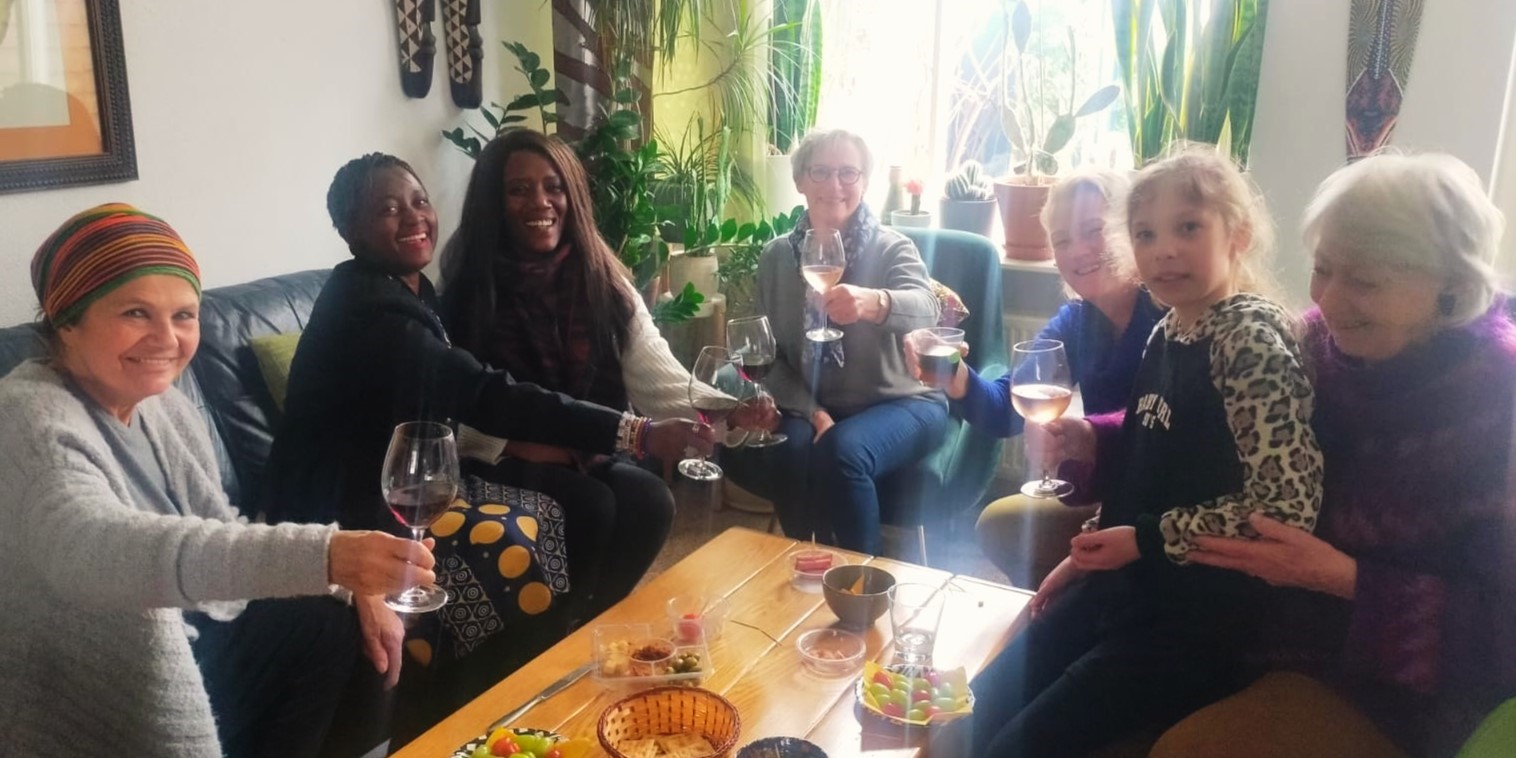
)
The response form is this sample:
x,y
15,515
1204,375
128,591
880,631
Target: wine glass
x,y
716,386
1041,388
753,340
821,263
420,480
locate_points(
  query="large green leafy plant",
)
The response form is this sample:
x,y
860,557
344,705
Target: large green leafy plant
x,y
1038,124
1191,71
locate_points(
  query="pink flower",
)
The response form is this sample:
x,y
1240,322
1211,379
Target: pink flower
x,y
914,187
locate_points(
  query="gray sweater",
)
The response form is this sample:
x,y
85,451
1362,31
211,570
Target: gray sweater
x,y
875,357
96,654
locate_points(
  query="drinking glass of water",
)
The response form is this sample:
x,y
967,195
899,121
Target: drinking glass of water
x,y
915,613
938,353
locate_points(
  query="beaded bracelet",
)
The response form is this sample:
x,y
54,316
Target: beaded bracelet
x,y
642,437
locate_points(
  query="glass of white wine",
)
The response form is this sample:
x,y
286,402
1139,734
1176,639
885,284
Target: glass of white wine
x,y
1041,388
821,263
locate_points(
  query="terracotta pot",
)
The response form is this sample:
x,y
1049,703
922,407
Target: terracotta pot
x,y
1020,208
977,216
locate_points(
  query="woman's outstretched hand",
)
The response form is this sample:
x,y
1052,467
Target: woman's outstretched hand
x,y
1058,580
1104,549
956,388
375,563
757,413
1062,439
383,634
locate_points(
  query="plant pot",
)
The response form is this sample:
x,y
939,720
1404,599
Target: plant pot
x,y
699,270
977,216
779,191
1020,211
921,219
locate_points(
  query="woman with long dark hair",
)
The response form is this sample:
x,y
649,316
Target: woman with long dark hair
x,y
531,288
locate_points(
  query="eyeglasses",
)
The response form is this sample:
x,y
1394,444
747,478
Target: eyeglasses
x,y
824,174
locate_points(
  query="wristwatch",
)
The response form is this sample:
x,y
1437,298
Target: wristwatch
x,y
884,305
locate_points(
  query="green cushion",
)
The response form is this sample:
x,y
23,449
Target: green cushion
x,y
1496,736
274,354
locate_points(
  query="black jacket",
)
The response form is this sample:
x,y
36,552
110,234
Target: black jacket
x,y
374,355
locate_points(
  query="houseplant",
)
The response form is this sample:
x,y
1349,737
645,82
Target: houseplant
x,y
968,200
914,216
1188,80
1039,127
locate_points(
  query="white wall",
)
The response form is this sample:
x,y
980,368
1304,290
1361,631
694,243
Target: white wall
x,y
1453,102
243,112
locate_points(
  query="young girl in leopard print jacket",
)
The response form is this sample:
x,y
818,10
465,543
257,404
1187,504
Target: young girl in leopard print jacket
x,y
1126,636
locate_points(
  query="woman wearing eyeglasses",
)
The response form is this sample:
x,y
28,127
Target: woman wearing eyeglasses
x,y
853,413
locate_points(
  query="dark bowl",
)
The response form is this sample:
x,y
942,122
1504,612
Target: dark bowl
x,y
858,611
781,747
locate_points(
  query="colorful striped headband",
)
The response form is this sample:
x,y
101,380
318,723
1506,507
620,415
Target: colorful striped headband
x,y
101,249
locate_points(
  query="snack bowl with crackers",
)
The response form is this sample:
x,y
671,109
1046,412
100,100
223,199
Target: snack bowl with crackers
x,y
831,652
642,655
670,722
858,594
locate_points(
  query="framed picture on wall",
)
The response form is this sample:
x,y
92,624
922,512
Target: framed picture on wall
x,y
65,118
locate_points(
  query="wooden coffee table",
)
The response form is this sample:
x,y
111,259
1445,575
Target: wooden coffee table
x,y
756,664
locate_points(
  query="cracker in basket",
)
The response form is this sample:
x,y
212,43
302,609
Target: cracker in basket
x,y
685,745
647,748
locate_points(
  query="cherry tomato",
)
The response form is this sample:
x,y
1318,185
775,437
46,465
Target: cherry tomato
x,y
933,678
931,710
554,753
893,709
920,695
882,677
505,746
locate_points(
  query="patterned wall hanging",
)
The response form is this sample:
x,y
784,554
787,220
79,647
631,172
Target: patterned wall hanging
x,y
1381,39
460,22
417,45
577,68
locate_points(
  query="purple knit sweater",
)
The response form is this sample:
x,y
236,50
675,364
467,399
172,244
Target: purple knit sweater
x,y
1417,451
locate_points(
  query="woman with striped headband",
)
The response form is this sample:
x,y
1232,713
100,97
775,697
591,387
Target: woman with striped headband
x,y
128,574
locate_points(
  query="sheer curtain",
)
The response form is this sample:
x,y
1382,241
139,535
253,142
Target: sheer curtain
x,y
1503,180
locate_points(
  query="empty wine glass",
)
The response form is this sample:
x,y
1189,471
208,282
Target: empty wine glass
x,y
753,340
821,263
716,389
420,479
1041,388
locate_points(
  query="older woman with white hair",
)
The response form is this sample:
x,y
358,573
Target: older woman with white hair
x,y
1396,630
853,412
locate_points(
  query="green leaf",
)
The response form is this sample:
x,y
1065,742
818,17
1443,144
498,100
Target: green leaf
x,y
512,119
529,100
626,96
538,78
1099,101
764,230
529,60
728,230
490,118
746,230
1021,26
1010,123
1058,137
621,120
682,307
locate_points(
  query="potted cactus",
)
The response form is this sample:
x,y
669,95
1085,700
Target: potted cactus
x,y
968,200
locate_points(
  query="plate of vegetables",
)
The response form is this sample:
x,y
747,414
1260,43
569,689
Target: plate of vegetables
x,y
523,743
914,695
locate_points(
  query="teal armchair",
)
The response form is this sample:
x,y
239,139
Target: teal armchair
x,y
956,476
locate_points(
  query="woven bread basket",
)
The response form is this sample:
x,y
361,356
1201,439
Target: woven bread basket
x,y
670,710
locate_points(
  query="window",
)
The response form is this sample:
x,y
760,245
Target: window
x,y
919,80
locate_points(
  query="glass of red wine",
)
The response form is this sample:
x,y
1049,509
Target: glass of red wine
x,y
753,340
1041,390
717,387
822,260
420,480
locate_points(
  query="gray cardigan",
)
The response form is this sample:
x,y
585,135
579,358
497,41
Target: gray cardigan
x,y
875,368
96,654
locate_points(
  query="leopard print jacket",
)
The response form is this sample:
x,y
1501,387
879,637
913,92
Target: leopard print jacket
x,y
1257,367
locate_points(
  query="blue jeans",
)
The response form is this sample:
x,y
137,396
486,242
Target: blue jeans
x,y
830,487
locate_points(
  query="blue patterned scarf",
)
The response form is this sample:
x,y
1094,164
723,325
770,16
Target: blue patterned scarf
x,y
857,235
